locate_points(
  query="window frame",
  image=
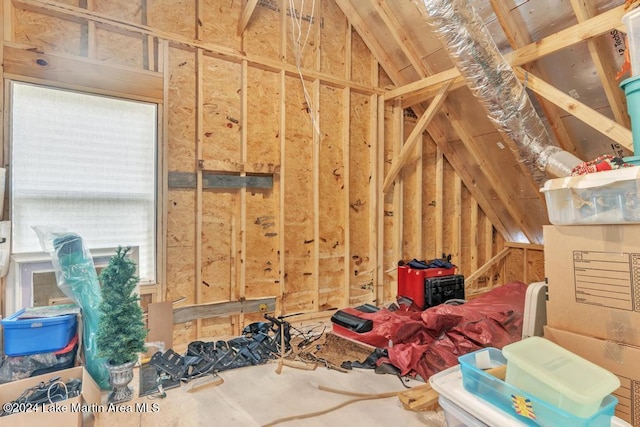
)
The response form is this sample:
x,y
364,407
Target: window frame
x,y
161,187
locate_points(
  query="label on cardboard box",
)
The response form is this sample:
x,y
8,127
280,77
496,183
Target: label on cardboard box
x,y
619,359
593,275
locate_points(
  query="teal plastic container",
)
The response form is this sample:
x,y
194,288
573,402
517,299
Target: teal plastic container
x,y
523,406
631,87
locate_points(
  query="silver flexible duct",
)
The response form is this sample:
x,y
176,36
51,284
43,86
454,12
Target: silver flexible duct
x,y
493,82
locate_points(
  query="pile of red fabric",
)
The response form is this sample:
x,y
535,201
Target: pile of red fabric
x,y
427,342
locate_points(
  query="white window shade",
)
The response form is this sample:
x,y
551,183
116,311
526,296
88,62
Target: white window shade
x,y
86,163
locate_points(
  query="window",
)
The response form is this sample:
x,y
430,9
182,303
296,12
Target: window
x,y
86,163
33,278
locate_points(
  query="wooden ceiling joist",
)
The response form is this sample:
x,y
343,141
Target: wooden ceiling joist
x,y
515,30
582,31
605,66
599,122
415,137
245,16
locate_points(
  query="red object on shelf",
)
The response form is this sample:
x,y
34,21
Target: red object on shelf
x,y
69,346
411,282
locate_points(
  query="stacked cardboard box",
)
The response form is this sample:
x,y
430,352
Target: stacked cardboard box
x,y
593,275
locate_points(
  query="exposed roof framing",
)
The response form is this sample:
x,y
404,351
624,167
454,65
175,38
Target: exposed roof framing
x,y
400,40
600,54
483,188
580,32
591,117
515,31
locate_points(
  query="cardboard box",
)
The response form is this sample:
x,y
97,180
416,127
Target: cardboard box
x,y
62,414
593,275
619,359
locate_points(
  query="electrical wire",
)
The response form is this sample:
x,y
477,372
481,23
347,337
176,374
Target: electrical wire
x,y
298,49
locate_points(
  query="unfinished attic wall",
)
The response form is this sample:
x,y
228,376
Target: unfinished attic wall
x,y
430,212
315,234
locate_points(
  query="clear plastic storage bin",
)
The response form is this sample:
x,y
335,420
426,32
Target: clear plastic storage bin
x,y
455,416
558,376
611,197
523,406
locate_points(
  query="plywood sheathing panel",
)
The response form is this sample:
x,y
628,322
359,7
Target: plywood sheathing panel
x,y
218,235
429,153
521,259
383,79
389,260
182,110
263,113
262,36
298,196
50,33
119,49
333,25
360,146
126,10
262,259
301,36
332,193
219,22
216,327
332,174
463,106
467,234
411,246
448,220
514,265
330,283
360,60
181,214
176,16
221,104
181,256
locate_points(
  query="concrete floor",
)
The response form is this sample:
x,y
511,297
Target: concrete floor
x,y
257,396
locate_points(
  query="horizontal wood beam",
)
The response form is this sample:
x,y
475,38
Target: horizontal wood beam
x,y
216,180
209,49
589,116
415,136
583,31
82,74
223,309
531,246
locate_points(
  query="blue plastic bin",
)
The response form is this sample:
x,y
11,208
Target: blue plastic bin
x,y
520,405
37,335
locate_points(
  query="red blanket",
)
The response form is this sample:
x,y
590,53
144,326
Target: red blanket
x,y
427,342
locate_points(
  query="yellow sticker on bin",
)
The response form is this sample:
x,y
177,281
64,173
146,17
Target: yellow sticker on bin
x,y
523,407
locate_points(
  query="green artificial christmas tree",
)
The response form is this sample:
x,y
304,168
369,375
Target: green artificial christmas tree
x,y
121,330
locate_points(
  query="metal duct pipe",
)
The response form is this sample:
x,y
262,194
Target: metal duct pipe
x,y
492,80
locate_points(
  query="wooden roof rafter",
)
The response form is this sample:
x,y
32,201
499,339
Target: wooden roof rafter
x,y
402,158
423,69
605,67
245,15
518,37
506,226
585,30
589,116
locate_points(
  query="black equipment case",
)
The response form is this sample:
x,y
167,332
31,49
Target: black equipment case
x,y
441,289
